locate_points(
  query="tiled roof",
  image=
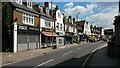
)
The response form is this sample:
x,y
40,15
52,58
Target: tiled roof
x,y
23,7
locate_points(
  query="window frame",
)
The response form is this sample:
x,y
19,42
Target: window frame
x,y
47,23
28,19
29,3
57,25
18,1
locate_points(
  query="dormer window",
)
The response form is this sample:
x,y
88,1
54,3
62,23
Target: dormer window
x,y
29,3
18,1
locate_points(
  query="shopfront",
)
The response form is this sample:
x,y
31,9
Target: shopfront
x,y
27,37
68,38
60,38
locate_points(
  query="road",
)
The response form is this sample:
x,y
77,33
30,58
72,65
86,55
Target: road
x,y
73,56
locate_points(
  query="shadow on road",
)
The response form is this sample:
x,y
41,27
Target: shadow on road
x,y
73,62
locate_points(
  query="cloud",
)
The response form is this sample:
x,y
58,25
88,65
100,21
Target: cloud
x,y
80,9
106,6
104,20
69,5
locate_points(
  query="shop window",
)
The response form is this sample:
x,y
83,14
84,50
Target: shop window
x,y
60,41
28,19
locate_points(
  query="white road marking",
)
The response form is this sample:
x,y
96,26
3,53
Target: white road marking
x,y
44,63
8,63
67,53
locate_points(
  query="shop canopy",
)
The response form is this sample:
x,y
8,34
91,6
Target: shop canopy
x,y
49,33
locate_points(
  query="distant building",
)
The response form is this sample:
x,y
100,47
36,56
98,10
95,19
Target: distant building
x,y
98,31
108,31
83,28
68,22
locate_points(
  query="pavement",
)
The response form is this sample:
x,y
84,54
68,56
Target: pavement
x,y
8,58
101,59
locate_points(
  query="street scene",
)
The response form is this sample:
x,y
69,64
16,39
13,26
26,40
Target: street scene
x,y
51,34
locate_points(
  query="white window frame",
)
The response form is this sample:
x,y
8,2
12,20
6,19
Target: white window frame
x,y
18,1
30,18
48,24
29,3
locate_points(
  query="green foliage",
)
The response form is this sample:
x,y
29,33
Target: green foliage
x,y
7,27
7,17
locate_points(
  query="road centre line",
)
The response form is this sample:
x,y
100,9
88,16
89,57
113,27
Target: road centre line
x,y
67,53
44,63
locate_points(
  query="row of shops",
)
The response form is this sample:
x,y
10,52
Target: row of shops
x,y
29,37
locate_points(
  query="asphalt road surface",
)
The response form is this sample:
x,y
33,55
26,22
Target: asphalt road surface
x,y
72,56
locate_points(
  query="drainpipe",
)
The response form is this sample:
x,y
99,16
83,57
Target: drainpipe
x,y
15,37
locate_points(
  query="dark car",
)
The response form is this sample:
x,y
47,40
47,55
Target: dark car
x,y
105,39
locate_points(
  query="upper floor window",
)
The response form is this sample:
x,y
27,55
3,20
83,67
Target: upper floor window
x,y
19,1
67,29
28,19
47,24
61,26
59,15
29,3
73,29
57,27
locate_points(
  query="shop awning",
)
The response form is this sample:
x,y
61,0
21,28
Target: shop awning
x,y
49,34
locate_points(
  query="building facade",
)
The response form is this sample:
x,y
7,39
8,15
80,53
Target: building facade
x,y
84,30
59,26
24,21
48,35
68,22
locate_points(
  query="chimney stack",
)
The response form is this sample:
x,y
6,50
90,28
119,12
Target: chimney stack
x,y
46,4
73,19
70,17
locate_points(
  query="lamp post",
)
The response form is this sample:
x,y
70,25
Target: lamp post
x,y
77,22
77,16
52,35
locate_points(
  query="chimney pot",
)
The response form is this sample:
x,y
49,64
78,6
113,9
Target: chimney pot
x,y
46,4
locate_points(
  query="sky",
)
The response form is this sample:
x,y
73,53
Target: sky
x,y
97,13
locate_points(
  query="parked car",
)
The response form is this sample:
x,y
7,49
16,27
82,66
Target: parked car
x,y
92,39
105,39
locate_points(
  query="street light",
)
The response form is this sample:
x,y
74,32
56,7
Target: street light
x,y
77,16
77,22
